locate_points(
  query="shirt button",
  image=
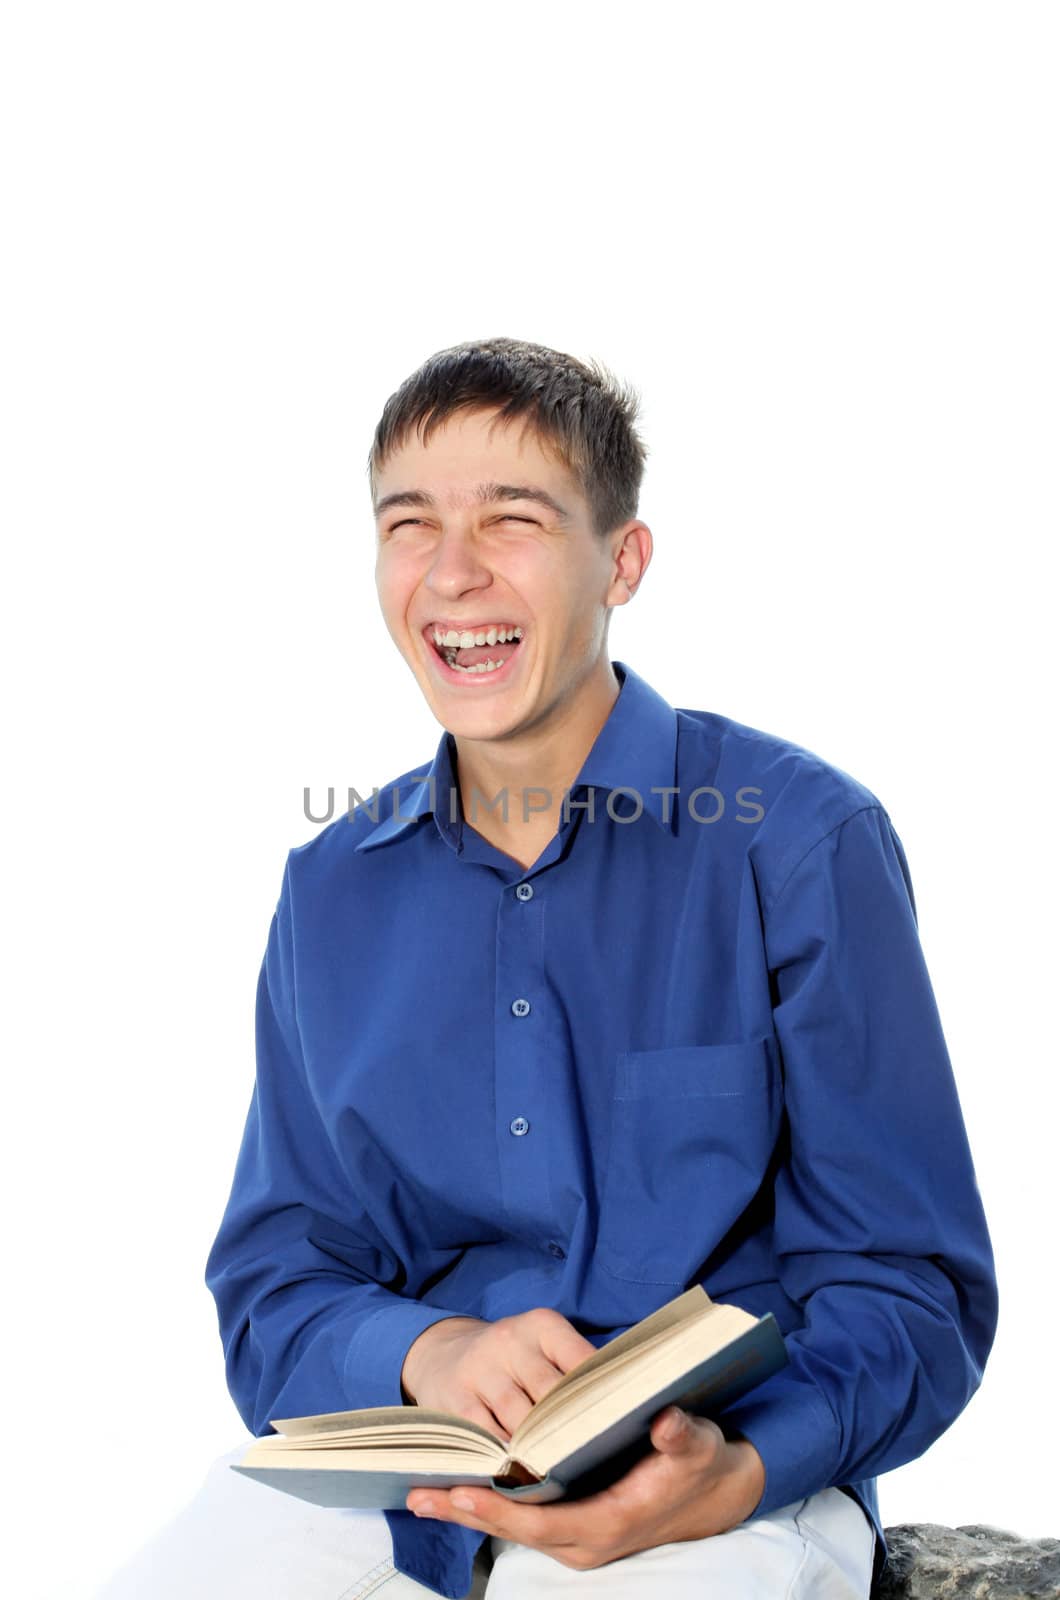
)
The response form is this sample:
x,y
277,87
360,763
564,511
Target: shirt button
x,y
520,1008
519,1126
525,891
557,1250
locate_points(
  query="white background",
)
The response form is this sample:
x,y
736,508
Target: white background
x,y
821,241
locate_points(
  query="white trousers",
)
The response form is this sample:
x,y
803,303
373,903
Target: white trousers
x,y
237,1538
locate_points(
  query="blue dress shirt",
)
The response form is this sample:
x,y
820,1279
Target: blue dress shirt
x,y
696,1041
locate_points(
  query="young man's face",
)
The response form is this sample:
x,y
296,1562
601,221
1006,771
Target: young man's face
x,y
459,563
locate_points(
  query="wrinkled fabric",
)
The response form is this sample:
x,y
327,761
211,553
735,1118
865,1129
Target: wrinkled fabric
x,y
696,1041
236,1538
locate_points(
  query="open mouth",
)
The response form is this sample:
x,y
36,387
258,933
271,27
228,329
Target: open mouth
x,y
477,660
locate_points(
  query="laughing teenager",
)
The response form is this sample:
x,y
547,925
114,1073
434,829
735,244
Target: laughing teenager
x,y
608,999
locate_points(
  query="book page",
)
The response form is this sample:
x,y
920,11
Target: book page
x,y
688,1308
636,1370
383,1458
396,1419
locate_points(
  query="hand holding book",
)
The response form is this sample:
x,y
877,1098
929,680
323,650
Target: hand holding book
x,y
492,1373
693,1484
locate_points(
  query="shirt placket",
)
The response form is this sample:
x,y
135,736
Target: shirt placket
x,y
521,1090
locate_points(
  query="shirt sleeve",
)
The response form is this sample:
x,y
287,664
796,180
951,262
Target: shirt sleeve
x,y
880,1235
307,1291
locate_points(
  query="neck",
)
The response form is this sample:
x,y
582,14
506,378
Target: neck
x,y
547,756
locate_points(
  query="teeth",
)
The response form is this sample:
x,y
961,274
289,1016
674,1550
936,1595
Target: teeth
x,y
464,641
480,666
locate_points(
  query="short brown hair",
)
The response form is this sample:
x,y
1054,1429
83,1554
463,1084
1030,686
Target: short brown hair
x,y
577,408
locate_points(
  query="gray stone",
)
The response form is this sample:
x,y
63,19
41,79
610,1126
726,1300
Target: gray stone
x,y
928,1562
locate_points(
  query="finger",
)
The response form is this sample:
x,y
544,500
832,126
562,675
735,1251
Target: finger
x,y
593,1521
474,1409
495,1514
675,1432
501,1405
564,1346
508,1402
449,1504
538,1375
670,1429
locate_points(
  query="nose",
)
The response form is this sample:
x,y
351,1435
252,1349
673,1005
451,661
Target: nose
x,y
457,567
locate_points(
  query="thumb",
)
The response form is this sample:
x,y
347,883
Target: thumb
x,y
674,1431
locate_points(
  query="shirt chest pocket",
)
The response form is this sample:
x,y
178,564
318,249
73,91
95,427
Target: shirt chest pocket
x,y
692,1131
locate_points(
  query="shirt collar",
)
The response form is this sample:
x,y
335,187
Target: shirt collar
x,y
636,749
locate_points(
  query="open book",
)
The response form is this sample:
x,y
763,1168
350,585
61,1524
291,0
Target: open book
x,y
586,1432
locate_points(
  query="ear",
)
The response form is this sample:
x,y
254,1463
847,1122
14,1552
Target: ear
x,y
632,548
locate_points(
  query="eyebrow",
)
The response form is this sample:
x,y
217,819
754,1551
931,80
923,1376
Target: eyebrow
x,y
485,494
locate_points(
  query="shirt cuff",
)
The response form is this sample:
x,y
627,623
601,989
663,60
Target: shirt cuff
x,y
795,1433
377,1351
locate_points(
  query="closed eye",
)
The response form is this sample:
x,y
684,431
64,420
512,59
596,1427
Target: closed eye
x,y
418,521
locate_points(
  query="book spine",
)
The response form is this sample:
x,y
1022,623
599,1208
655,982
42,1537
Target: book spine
x,y
515,1474
537,1492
